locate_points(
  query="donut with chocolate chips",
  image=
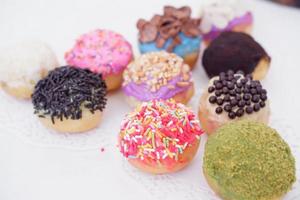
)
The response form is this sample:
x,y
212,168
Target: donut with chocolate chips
x,y
232,97
236,51
70,99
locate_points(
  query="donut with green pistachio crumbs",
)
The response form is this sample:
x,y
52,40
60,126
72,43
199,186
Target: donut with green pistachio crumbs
x,y
248,160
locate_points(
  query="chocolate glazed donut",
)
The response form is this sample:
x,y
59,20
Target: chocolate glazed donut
x,y
295,3
236,51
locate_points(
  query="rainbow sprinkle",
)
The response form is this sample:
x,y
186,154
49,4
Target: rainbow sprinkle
x,y
158,129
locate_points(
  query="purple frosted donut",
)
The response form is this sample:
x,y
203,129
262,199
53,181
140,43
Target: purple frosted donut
x,y
223,16
156,75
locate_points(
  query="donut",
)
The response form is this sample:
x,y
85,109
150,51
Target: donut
x,y
157,75
248,160
219,16
103,52
236,51
174,31
232,97
70,99
295,3
23,64
160,136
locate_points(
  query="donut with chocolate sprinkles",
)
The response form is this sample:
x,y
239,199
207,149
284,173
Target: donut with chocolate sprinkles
x,y
230,97
70,94
236,51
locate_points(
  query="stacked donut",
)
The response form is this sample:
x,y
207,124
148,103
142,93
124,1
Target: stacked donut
x,y
243,159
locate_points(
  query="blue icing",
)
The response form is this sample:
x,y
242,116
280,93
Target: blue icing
x,y
188,45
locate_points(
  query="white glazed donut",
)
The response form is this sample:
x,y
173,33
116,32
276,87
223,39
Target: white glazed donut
x,y
23,65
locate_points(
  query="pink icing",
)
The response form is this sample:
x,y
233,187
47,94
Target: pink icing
x,y
101,51
242,20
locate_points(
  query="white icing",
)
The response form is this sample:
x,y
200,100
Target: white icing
x,y
23,63
219,13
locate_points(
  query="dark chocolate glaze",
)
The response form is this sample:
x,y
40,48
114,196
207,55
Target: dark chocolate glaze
x,y
232,51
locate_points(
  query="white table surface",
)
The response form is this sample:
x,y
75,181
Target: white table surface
x,y
38,164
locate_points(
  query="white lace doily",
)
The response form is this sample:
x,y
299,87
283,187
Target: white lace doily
x,y
169,186
17,120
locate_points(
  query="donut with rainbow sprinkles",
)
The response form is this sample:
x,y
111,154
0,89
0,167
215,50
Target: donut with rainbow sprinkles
x,y
160,136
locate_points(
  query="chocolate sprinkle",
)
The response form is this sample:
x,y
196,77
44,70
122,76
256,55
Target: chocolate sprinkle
x,y
232,50
238,97
62,93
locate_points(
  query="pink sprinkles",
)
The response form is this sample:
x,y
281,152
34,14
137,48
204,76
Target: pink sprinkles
x,y
158,129
101,51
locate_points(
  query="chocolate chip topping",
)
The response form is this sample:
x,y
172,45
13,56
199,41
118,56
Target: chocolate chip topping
x,y
232,50
64,92
249,109
163,27
219,110
212,99
231,115
237,95
211,89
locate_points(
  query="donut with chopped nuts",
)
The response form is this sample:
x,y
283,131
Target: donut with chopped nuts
x,y
236,51
158,75
232,97
160,136
103,52
70,99
174,31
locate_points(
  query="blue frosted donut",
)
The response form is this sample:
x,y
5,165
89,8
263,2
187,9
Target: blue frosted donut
x,y
174,31
189,45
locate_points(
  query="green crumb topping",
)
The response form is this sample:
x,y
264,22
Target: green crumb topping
x,y
249,161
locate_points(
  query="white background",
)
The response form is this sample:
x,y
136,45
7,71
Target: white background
x,y
38,164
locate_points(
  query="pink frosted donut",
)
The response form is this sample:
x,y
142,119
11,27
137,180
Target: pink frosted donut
x,y
101,51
